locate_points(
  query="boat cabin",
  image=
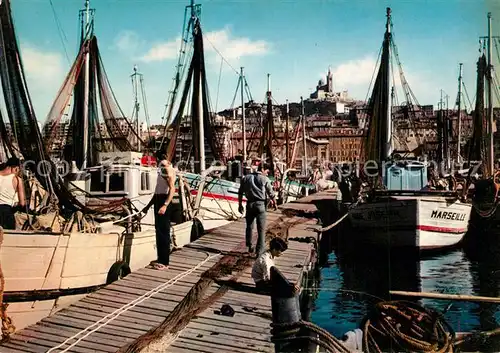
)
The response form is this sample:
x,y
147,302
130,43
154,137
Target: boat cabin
x,y
405,175
122,175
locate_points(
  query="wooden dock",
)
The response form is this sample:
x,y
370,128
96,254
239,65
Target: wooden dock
x,y
117,315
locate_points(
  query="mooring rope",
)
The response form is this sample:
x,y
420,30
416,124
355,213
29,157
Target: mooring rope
x,y
110,317
408,326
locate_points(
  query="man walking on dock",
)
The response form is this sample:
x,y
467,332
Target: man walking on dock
x,y
256,187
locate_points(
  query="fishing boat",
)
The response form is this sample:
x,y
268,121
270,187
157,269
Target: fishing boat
x,y
80,233
485,218
396,211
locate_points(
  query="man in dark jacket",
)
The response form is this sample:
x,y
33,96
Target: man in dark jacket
x,y
257,188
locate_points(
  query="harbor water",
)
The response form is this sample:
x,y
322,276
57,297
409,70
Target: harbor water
x,y
350,284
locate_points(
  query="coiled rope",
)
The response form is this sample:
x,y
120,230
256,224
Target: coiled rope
x,y
408,326
285,332
112,316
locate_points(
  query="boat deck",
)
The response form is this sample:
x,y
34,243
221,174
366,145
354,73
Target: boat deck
x,y
116,316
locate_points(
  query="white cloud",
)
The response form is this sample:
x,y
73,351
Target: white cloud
x,y
235,48
231,48
45,71
42,67
127,41
357,74
163,51
354,73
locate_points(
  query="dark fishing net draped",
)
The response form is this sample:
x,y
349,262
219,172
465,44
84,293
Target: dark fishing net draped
x,y
20,133
373,147
196,83
114,132
268,135
478,146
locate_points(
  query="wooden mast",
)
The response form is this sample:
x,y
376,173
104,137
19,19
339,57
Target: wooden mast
x,y
459,118
304,142
86,89
386,106
491,121
287,136
135,88
242,80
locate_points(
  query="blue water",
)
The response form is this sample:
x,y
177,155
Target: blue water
x,y
349,284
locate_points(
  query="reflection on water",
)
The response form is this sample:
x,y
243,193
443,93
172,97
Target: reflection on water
x,y
341,304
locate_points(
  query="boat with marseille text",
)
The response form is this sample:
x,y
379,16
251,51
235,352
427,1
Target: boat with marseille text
x,y
397,209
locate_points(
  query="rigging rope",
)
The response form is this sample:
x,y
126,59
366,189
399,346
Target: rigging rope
x,y
61,33
467,96
218,85
112,316
222,56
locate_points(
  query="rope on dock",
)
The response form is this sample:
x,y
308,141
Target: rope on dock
x,y
8,327
408,326
195,301
112,316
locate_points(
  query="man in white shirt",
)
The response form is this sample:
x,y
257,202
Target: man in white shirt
x,y
261,270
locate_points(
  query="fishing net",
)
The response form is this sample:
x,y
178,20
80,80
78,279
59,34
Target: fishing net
x,y
196,84
198,298
20,132
477,151
374,145
114,132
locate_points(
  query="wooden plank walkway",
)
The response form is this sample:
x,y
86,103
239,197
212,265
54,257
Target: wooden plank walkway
x,y
119,313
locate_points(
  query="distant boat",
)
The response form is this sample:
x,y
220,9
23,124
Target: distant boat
x,y
485,218
397,211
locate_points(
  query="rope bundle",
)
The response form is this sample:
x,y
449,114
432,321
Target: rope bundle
x,y
302,331
408,326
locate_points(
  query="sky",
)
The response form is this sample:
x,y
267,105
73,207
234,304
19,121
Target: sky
x,y
295,41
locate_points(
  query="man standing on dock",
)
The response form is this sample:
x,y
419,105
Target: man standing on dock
x,y
256,186
163,196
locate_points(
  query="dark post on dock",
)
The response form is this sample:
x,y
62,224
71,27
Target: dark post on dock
x,y
286,313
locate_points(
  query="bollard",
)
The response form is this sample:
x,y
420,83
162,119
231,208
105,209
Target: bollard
x,y
285,307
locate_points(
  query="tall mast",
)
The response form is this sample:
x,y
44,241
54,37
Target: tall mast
x,y
302,112
459,118
491,160
201,125
387,142
135,87
242,80
447,135
287,136
269,118
86,89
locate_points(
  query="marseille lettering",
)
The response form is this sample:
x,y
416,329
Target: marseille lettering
x,y
375,214
448,215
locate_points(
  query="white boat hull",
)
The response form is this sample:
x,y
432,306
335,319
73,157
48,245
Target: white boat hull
x,y
64,263
418,222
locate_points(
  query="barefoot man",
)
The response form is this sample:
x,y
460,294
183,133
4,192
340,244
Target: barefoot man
x,y
164,193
